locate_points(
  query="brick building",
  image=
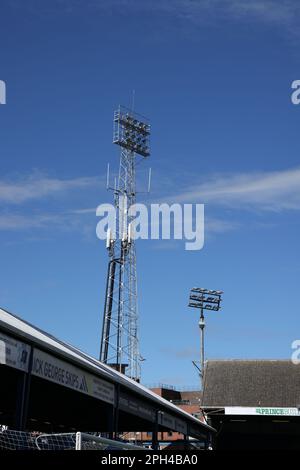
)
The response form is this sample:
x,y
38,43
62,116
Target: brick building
x,y
187,400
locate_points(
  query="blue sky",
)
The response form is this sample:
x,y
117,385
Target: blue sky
x,y
214,78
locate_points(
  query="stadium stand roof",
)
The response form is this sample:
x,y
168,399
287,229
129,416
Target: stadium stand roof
x,y
250,383
28,333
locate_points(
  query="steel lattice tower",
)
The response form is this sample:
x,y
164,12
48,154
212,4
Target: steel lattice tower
x,y
120,339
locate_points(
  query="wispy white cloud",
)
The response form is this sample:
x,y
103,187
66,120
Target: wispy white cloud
x,y
284,11
270,11
275,191
37,186
265,191
215,225
20,222
281,12
89,210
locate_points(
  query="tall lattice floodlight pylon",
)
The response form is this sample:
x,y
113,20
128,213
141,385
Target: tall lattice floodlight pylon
x,y
120,339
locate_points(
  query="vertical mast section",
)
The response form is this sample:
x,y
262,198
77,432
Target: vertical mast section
x,y
120,338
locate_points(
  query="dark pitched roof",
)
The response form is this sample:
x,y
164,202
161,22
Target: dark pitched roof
x,y
251,383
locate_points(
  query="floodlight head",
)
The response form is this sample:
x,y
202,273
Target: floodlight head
x,y
205,299
131,131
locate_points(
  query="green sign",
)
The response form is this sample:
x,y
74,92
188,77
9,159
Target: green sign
x,y
278,411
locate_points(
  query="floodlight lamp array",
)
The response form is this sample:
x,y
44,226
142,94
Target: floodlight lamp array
x,y
205,299
131,132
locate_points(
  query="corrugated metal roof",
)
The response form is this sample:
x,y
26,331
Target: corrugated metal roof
x,y
27,332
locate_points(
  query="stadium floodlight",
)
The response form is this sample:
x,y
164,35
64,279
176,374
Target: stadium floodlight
x,y
131,131
204,299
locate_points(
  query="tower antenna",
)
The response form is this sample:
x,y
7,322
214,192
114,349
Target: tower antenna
x,y
120,330
133,100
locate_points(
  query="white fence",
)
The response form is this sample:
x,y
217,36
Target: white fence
x,y
90,442
18,440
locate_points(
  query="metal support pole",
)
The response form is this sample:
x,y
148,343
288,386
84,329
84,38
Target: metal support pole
x,y
20,401
116,411
155,444
111,421
202,357
23,397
